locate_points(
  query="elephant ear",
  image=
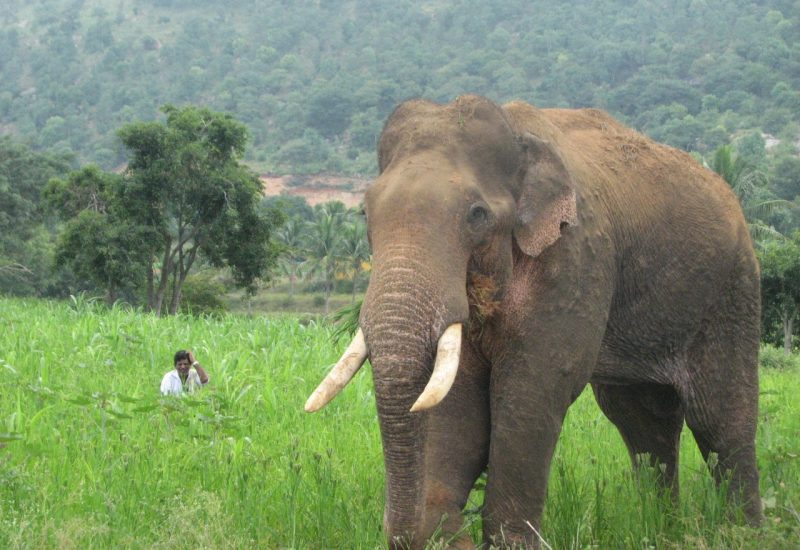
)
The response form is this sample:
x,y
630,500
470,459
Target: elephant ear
x,y
546,201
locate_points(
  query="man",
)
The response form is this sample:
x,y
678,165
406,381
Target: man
x,y
187,376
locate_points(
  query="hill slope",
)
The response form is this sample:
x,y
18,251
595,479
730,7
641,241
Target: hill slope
x,y
314,80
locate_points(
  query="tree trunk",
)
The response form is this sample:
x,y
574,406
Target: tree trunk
x,y
150,290
111,297
355,278
173,304
176,299
166,269
328,289
178,273
184,265
788,331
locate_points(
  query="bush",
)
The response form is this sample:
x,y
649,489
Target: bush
x,y
772,357
201,294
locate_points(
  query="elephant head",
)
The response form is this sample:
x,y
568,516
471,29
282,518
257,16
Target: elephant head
x,y
460,197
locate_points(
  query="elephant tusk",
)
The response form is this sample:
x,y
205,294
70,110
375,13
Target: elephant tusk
x,y
448,354
352,359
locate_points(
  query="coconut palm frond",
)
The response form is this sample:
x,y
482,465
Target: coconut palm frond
x,y
741,175
747,182
765,208
761,233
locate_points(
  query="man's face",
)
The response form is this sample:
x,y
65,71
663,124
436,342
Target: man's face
x,y
183,366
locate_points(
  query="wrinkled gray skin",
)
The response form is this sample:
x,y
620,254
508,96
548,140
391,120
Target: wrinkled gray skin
x,y
575,251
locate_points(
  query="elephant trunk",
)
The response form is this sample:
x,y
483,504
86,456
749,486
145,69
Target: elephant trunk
x,y
403,317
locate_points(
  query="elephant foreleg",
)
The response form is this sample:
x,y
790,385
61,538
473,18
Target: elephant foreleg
x,y
516,488
531,390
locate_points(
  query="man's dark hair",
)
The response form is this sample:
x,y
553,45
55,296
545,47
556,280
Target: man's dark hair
x,y
182,354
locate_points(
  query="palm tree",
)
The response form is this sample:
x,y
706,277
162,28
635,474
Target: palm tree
x,y
748,184
355,247
290,235
324,244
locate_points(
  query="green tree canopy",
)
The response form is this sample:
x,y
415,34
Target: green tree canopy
x,y
185,183
25,250
100,244
780,288
183,195
71,74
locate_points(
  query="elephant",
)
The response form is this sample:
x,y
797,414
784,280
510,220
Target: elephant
x,y
520,254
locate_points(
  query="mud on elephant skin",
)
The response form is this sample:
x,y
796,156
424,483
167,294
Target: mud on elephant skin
x,y
520,254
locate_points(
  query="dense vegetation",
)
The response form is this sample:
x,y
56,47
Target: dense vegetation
x,y
184,201
92,457
327,244
313,81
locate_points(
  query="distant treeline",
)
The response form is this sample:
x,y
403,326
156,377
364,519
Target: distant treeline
x,y
313,81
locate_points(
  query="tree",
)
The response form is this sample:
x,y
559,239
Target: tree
x,y
292,206
185,184
99,243
25,250
105,254
780,285
750,185
308,153
752,150
785,176
330,105
355,248
324,244
292,237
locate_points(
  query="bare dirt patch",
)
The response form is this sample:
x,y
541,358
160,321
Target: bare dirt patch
x,y
317,188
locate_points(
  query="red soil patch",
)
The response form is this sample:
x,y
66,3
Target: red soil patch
x,y
318,188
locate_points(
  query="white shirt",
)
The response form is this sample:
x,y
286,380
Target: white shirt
x,y
171,383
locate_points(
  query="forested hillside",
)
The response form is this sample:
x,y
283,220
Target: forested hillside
x,y
314,80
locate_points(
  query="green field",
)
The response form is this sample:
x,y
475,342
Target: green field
x,y
92,457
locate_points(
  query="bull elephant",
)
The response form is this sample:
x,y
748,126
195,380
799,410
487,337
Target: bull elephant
x,y
520,254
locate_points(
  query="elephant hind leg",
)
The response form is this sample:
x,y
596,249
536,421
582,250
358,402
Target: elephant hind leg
x,y
650,418
722,399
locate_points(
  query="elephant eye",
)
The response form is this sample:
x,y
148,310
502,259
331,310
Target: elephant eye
x,y
477,214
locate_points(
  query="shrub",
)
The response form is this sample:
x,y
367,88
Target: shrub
x,y
201,294
772,357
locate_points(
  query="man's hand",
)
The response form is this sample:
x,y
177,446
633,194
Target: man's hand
x,y
196,366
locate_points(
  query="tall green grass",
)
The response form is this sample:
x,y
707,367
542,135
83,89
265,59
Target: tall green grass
x,y
93,457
